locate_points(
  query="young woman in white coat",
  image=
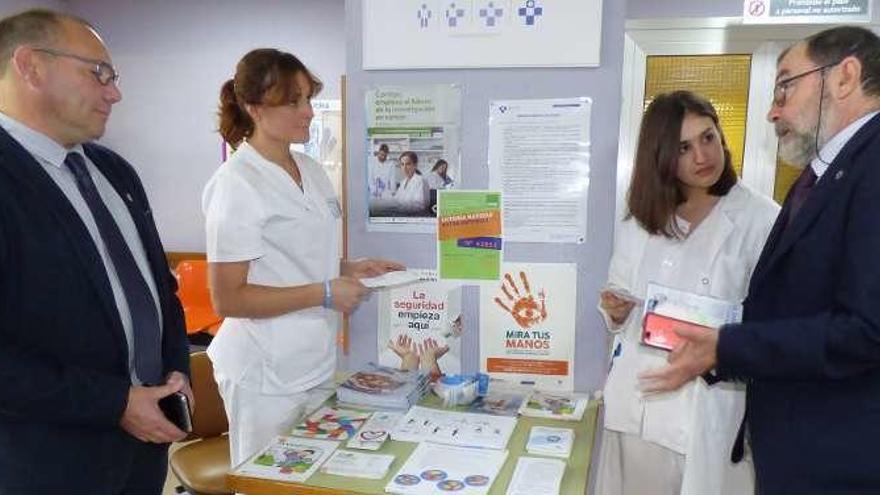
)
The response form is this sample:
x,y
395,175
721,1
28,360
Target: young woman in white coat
x,y
689,225
274,268
412,194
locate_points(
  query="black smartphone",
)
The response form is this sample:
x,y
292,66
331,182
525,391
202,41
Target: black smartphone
x,y
176,409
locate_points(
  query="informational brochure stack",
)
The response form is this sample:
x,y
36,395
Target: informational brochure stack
x,y
556,442
358,465
380,387
568,407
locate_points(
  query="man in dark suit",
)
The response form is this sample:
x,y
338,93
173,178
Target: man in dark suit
x,y
809,345
88,315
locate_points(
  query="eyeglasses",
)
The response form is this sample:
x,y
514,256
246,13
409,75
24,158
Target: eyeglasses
x,y
104,73
780,90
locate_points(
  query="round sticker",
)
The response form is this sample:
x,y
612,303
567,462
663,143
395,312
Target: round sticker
x,y
434,475
450,485
477,480
407,479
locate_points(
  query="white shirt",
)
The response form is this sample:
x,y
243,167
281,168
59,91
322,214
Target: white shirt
x,y
832,148
436,182
715,259
50,155
255,212
412,195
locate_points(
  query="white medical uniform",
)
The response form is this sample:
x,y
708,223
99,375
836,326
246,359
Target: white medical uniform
x,y
265,367
696,425
412,195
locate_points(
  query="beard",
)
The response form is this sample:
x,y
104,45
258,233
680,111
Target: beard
x,y
799,147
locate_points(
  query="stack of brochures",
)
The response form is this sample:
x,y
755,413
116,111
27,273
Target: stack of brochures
x,y
568,407
358,465
536,476
380,387
556,442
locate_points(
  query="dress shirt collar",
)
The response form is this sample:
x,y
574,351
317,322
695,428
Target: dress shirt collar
x,y
832,148
37,143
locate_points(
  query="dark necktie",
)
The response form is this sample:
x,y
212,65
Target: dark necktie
x,y
799,192
141,305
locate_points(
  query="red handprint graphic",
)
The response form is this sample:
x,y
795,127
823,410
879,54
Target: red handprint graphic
x,y
524,308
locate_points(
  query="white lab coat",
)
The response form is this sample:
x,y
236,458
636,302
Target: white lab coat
x,y
412,195
697,421
255,212
382,177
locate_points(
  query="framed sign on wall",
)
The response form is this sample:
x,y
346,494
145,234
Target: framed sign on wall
x,y
410,34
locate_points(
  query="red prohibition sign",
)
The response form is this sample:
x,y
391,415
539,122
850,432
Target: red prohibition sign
x,y
756,8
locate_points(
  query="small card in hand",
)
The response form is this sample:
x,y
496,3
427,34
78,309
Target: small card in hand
x,y
659,331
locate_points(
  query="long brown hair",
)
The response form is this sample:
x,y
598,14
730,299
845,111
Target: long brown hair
x,y
655,192
264,76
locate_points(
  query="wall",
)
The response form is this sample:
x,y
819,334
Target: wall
x,y
8,7
173,58
478,88
646,9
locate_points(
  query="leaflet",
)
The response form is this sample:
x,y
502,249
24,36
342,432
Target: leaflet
x,y
687,306
534,476
400,277
358,464
436,468
375,431
288,459
454,428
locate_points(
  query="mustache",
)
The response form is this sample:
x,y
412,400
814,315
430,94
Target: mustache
x,y
780,128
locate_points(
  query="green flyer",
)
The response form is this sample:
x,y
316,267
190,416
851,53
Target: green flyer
x,y
469,235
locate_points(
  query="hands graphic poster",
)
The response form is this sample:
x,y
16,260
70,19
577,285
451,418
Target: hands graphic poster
x,y
420,327
527,324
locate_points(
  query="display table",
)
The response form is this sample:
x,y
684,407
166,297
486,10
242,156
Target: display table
x,y
574,481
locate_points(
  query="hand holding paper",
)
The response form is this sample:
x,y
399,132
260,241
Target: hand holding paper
x,y
364,268
392,278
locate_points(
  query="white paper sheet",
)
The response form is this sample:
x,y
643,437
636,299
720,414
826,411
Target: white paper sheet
x,y
423,424
539,158
534,476
435,469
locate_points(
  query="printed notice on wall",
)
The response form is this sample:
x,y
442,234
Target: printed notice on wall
x,y
527,325
539,158
806,11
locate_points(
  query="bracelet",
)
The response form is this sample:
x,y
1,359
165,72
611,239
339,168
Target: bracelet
x,y
328,295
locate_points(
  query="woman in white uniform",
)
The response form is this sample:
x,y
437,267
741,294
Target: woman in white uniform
x,y
412,194
274,267
690,226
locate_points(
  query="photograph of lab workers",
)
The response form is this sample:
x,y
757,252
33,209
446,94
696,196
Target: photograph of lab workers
x,y
275,272
382,174
692,226
438,177
411,196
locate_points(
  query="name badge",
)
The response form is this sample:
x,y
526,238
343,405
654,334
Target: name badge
x,y
333,206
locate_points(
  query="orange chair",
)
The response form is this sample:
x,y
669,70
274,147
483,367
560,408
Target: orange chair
x,y
192,281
